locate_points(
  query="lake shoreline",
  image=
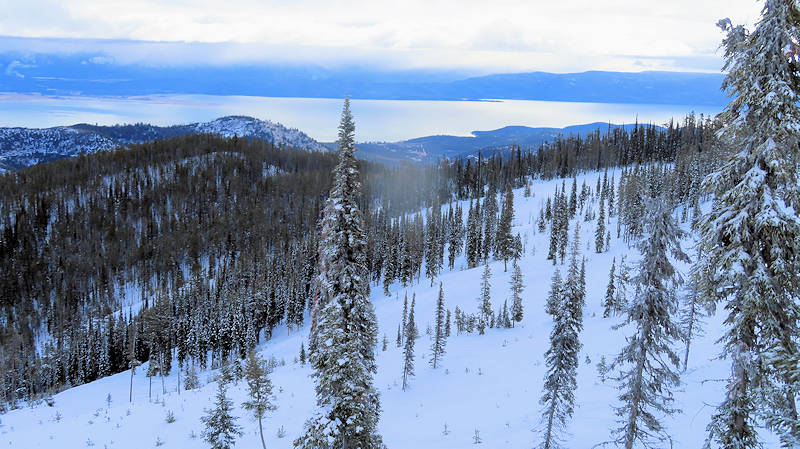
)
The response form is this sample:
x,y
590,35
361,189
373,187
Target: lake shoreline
x,y
379,120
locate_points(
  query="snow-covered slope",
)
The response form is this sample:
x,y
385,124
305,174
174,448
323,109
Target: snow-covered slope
x,y
23,147
490,383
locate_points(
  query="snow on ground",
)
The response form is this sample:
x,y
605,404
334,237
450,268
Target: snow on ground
x,y
490,382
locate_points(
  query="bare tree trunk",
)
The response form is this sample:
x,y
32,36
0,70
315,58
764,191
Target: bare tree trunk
x,y
161,371
261,431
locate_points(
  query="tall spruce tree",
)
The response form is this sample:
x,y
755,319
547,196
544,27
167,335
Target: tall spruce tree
x,y
608,301
600,231
558,398
411,334
485,300
456,237
344,336
504,243
751,237
574,290
433,242
490,211
473,243
648,363
554,297
439,334
561,214
516,294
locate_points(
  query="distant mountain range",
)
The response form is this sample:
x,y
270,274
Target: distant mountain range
x,y
23,147
430,148
99,75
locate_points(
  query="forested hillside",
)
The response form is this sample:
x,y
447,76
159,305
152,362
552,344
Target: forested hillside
x,y
171,247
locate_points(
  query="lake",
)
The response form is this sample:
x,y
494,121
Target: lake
x,y
376,120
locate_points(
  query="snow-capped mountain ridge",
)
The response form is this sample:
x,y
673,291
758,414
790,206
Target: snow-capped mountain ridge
x,y
23,147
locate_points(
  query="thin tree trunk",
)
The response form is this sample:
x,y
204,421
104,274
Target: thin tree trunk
x,y
689,335
630,434
261,431
548,440
161,371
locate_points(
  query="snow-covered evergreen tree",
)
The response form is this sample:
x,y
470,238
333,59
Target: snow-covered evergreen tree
x,y
516,294
600,231
473,243
574,290
621,286
456,237
608,301
504,244
648,363
439,334
411,334
433,243
751,237
561,214
565,305
221,428
573,198
485,300
344,334
490,210
554,297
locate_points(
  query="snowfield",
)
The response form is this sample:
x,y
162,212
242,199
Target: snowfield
x,y
486,383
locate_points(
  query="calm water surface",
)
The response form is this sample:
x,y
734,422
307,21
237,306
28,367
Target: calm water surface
x,y
376,120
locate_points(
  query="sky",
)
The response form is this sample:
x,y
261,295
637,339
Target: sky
x,y
479,37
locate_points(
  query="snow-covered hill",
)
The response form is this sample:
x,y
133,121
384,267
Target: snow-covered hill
x,y
489,384
23,147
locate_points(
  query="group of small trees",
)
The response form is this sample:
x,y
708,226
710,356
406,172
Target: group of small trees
x,y
221,428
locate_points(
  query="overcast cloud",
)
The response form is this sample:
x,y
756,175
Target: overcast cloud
x,y
496,36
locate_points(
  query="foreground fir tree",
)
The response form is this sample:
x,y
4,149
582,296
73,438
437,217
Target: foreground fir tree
x,y
574,289
440,333
485,300
490,223
751,237
259,389
554,297
221,428
344,331
600,231
411,334
608,301
516,294
504,244
648,363
565,306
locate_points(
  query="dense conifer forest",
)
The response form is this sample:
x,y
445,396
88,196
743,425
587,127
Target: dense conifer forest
x,y
197,247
